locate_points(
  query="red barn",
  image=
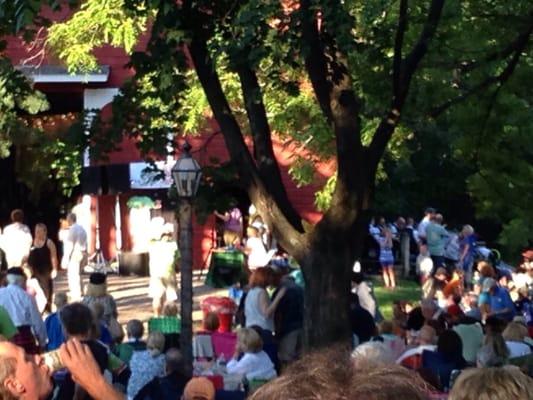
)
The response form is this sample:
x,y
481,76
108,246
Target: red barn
x,y
74,93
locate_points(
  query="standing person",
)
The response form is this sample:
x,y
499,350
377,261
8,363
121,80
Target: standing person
x,y
232,226
23,312
43,262
255,249
74,256
386,258
428,214
467,246
436,238
164,256
16,240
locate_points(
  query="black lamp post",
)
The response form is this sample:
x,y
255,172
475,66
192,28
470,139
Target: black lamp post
x,y
187,174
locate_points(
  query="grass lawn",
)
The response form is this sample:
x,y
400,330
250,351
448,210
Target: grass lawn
x,y
405,290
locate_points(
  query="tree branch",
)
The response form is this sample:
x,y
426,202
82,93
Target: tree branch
x,y
292,237
408,67
519,46
327,68
262,138
398,47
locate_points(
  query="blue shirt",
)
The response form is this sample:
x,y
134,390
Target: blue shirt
x,y
500,300
54,331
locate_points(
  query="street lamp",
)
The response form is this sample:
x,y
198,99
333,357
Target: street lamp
x,y
187,174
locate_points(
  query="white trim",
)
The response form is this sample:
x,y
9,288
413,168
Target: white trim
x,y
60,78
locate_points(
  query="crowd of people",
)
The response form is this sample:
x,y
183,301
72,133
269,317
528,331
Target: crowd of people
x,y
473,324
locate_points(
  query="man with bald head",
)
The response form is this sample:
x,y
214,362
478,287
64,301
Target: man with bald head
x,y
27,377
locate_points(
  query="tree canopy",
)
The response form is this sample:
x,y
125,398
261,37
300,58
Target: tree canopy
x,y
401,90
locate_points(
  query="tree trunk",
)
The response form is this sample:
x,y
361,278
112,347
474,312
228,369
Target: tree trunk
x,y
327,271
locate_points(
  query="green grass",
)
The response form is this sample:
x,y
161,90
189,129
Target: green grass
x,y
405,290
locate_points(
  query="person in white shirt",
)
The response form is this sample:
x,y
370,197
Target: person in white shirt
x,y
23,312
16,240
74,256
428,214
255,249
250,360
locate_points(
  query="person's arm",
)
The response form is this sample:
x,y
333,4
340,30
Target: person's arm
x,y
53,257
78,359
243,366
223,217
37,323
268,308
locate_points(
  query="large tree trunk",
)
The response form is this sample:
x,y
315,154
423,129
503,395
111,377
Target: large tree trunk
x,y
327,270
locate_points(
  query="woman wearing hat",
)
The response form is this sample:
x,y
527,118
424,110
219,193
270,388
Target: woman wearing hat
x,y
96,292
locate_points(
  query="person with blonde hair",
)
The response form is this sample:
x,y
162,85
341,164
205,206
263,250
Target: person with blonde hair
x,y
249,359
492,384
514,335
147,364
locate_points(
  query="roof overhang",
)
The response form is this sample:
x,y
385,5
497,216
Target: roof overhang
x,y
57,74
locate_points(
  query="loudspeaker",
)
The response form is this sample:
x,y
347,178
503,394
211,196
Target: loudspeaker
x,y
130,263
105,179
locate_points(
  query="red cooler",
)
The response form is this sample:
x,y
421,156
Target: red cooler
x,y
224,307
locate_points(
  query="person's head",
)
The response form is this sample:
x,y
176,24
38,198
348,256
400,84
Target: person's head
x,y
155,343
134,329
471,300
492,384
441,274
249,341
170,309
97,286
454,314
252,231
259,278
515,332
450,344
77,320
199,389
429,308
385,327
486,270
211,322
71,219
429,212
426,336
400,222
371,354
40,231
174,363
15,276
439,218
467,230
60,300
22,376
17,216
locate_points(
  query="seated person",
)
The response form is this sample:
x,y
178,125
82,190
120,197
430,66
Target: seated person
x,y
170,386
361,321
169,324
371,354
135,332
249,359
199,389
202,345
102,333
53,323
78,323
147,364
438,365
514,335
96,293
391,334
426,339
491,384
